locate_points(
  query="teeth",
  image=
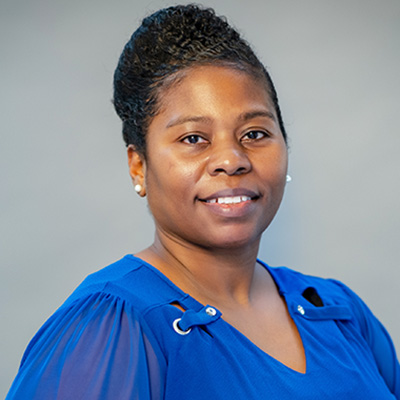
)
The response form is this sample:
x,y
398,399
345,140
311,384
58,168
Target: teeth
x,y
229,200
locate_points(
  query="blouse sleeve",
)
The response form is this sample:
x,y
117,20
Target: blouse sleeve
x,y
379,342
97,348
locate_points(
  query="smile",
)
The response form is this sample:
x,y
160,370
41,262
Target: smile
x,y
229,200
233,203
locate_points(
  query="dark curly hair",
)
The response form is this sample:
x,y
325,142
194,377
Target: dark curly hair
x,y
167,42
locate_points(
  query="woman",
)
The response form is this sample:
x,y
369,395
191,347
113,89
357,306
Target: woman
x,y
196,315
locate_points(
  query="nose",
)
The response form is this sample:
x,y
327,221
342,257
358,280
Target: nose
x,y
228,157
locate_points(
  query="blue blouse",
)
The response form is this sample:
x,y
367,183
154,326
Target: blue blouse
x,y
119,336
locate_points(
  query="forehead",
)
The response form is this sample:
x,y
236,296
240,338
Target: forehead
x,y
221,83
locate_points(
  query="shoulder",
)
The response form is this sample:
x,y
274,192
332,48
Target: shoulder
x,y
335,295
105,319
131,280
121,295
330,290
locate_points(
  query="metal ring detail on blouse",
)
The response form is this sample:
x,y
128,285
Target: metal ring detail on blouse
x,y
178,329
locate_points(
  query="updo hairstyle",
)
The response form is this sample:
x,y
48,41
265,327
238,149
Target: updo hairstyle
x,y
168,42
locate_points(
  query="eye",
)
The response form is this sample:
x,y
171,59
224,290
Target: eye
x,y
254,135
193,139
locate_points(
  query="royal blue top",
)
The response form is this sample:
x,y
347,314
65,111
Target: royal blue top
x,y
118,336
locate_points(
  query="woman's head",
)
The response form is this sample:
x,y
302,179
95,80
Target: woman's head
x,y
167,43
216,160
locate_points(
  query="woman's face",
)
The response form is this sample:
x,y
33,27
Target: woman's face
x,y
216,160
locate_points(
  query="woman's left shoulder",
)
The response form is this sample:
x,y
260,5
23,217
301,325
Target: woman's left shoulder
x,y
292,281
327,292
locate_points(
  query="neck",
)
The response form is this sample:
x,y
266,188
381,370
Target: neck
x,y
216,275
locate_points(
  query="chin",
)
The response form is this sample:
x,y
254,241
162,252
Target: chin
x,y
232,241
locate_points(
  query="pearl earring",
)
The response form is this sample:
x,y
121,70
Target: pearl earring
x,y
138,188
288,178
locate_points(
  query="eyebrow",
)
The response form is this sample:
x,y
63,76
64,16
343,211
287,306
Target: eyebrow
x,y
206,120
254,114
183,120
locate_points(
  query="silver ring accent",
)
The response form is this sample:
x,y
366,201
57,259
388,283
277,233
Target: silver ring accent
x,y
179,330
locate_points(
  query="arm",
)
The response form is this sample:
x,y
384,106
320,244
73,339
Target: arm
x,y
96,348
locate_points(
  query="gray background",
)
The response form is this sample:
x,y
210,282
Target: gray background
x,y
67,205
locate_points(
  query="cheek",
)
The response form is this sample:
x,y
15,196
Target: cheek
x,y
274,165
168,175
273,173
282,160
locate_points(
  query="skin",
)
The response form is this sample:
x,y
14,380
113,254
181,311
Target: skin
x,y
217,136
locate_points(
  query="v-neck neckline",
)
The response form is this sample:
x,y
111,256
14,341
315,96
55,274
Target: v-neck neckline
x,y
191,303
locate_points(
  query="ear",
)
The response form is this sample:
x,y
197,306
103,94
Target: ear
x,y
137,169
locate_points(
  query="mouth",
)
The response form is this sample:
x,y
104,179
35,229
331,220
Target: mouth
x,y
228,200
230,197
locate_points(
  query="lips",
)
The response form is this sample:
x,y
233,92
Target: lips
x,y
230,196
229,200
